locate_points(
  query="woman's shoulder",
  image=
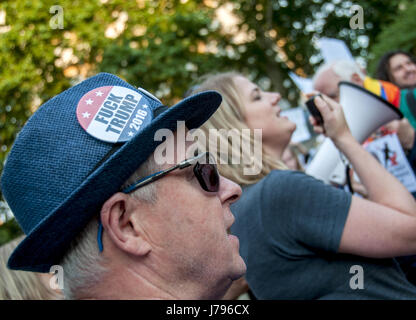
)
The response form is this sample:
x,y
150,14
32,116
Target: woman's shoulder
x,y
284,185
286,176
289,183
278,182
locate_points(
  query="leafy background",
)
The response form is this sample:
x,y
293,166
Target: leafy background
x,y
164,46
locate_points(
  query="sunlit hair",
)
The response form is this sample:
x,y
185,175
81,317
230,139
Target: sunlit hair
x,y
231,115
21,285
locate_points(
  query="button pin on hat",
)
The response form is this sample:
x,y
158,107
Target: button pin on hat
x,y
113,113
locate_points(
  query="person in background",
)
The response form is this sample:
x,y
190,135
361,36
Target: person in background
x,y
327,78
299,237
23,285
399,67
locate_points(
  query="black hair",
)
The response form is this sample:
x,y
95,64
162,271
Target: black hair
x,y
383,67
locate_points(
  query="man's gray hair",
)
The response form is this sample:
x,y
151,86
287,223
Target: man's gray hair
x,y
83,265
342,68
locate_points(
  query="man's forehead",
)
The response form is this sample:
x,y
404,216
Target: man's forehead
x,y
327,80
399,59
331,76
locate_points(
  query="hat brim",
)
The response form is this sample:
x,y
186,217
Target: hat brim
x,y
46,244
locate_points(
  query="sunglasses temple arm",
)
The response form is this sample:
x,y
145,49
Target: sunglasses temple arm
x,y
149,179
158,175
189,162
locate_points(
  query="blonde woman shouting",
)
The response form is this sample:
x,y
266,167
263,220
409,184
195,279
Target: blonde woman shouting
x,y
300,238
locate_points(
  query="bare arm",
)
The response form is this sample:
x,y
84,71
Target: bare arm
x,y
377,231
382,187
384,225
405,132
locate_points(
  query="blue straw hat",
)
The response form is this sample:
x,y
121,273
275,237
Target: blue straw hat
x,y
76,151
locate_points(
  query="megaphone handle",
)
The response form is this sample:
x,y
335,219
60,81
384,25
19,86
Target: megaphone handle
x,y
347,171
347,174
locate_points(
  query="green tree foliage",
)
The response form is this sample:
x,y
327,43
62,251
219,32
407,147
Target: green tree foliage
x,y
284,33
34,56
164,47
400,34
269,38
9,230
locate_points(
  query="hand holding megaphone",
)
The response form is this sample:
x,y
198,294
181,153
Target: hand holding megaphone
x,y
363,111
334,124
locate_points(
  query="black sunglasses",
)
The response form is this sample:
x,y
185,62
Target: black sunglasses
x,y
205,170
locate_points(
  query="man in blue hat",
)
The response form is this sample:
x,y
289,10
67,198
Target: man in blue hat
x,y
83,183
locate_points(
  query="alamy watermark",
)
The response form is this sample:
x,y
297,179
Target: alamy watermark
x,y
357,280
57,279
357,20
233,146
57,20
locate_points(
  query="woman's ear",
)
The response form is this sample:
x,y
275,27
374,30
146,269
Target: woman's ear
x,y
118,223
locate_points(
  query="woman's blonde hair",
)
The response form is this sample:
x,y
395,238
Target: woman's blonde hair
x,y
231,116
21,285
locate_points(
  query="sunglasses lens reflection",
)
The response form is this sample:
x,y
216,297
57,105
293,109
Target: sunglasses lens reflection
x,y
210,177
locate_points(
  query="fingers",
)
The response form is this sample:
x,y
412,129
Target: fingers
x,y
312,121
311,94
323,107
351,171
392,125
333,105
317,128
329,100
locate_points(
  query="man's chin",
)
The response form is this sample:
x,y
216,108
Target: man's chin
x,y
240,270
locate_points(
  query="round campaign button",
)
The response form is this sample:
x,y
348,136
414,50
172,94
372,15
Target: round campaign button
x,y
113,113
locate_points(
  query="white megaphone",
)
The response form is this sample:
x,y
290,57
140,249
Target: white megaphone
x,y
364,112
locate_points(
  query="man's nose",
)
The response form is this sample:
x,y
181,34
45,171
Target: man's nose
x,y
229,191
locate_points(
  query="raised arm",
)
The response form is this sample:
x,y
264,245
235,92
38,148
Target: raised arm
x,y
384,225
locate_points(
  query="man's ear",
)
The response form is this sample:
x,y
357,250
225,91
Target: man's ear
x,y
355,78
118,223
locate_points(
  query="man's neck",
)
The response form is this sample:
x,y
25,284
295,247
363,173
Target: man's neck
x,y
133,284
